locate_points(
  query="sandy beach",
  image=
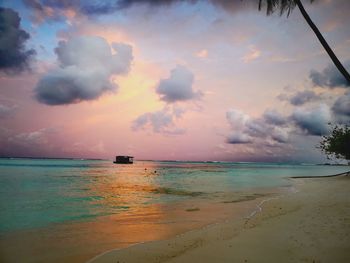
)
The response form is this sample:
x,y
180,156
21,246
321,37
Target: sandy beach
x,y
311,224
174,131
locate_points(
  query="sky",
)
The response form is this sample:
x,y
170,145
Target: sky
x,y
201,80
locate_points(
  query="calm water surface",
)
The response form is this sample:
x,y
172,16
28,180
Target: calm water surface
x,y
36,193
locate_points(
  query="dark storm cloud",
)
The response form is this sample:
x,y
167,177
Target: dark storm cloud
x,y
14,56
330,77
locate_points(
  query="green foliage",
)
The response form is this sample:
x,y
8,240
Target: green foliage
x,y
337,144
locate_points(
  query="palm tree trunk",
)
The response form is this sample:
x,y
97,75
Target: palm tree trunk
x,y
324,43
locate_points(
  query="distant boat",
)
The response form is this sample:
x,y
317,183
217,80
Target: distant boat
x,y
124,159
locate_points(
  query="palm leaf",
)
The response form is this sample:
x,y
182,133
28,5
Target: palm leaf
x,y
283,6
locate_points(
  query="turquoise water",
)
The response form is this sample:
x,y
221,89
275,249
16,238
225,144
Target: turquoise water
x,y
38,192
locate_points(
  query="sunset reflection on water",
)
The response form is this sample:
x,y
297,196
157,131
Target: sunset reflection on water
x,y
72,210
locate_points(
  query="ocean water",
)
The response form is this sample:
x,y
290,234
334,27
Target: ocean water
x,y
37,193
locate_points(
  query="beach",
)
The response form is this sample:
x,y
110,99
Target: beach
x,y
310,224
77,210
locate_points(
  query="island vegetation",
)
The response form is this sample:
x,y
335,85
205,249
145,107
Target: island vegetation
x,y
337,143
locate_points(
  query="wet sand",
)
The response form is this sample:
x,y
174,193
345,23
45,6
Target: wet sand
x,y
79,242
310,225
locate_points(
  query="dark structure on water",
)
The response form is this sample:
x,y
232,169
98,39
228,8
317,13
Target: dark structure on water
x,y
124,159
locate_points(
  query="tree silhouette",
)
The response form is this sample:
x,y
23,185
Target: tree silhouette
x,y
287,6
337,144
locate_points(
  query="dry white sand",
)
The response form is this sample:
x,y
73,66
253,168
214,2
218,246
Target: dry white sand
x,y
311,225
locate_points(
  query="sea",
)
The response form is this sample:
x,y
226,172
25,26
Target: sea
x,y
55,210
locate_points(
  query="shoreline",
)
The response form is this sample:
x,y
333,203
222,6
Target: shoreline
x,y
192,223
321,176
255,211
182,247
86,240
254,208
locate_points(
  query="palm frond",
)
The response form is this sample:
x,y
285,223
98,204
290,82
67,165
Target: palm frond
x,y
283,6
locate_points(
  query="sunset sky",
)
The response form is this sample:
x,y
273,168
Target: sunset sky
x,y
169,80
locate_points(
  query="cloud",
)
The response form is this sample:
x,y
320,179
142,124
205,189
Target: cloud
x,y
257,127
42,11
256,130
6,111
330,77
280,135
55,9
86,67
162,121
237,119
33,143
231,6
273,133
313,121
274,117
242,127
238,138
252,54
303,97
299,98
14,57
178,87
33,138
203,53
342,105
